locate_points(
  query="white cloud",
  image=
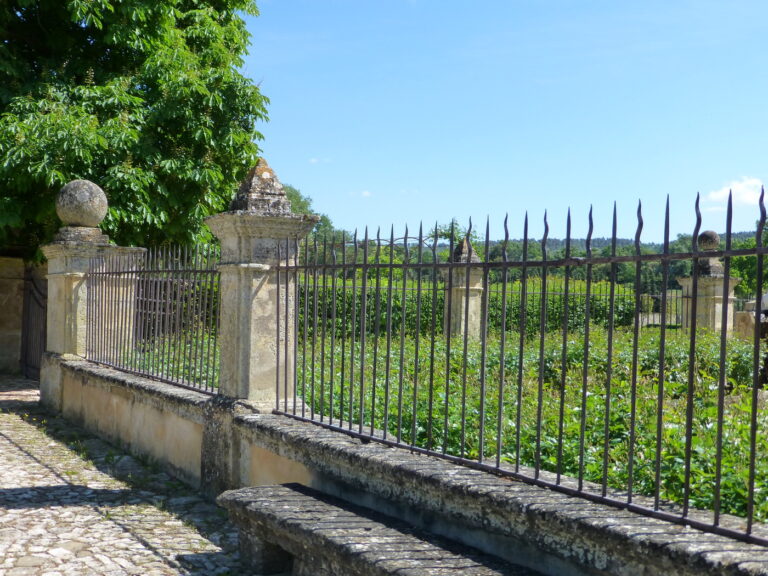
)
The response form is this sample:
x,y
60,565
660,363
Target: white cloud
x,y
746,192
319,160
361,194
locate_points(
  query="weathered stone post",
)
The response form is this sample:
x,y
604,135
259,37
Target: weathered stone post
x,y
711,294
259,221
464,301
81,205
254,236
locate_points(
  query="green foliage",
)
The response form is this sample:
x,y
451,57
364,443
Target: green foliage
x,y
143,97
338,306
301,204
441,395
745,268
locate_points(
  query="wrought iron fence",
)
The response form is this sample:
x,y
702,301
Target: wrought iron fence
x,y
156,315
543,369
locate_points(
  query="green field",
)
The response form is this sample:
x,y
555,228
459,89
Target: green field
x,y
437,394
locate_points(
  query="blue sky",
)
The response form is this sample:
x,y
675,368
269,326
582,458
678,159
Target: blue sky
x,y
403,111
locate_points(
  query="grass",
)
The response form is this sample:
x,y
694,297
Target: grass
x,y
538,408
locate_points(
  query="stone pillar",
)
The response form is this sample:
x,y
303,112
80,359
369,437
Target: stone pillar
x,y
464,301
711,294
81,205
260,220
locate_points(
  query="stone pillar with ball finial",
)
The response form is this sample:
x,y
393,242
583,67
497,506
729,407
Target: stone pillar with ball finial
x,y
712,290
81,206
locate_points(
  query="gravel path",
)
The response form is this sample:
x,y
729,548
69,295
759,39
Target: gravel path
x,y
71,504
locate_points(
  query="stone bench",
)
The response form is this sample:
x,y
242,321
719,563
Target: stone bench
x,y
296,530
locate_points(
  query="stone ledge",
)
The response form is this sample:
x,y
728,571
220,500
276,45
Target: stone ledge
x,y
549,531
326,536
184,401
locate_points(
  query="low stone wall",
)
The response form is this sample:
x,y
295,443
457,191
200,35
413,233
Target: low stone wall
x,y
161,422
219,443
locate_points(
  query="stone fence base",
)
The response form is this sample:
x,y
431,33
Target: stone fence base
x,y
217,444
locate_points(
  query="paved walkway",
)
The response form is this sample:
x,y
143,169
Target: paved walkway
x,y
71,504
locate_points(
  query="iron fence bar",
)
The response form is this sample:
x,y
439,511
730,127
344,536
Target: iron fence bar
x,y
353,330
609,357
293,266
289,371
187,320
209,304
401,375
521,347
465,337
278,334
130,311
542,324
417,340
172,345
363,334
722,367
635,339
563,354
585,356
109,311
156,284
315,305
333,332
755,370
483,346
306,332
502,348
447,323
689,406
388,359
376,330
432,345
662,365
343,359
138,316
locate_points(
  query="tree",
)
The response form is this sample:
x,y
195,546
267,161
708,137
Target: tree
x,y
142,97
301,204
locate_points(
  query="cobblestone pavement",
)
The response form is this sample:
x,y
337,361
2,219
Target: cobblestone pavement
x,y
71,504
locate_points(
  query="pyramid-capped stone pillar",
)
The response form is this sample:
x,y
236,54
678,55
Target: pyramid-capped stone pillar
x,y
253,355
464,301
256,340
713,293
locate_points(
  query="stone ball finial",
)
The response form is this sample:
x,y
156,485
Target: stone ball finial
x,y
709,241
81,203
